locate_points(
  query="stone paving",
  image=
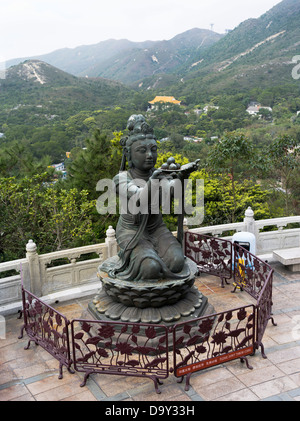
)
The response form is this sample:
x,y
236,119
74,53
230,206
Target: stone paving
x,y
32,375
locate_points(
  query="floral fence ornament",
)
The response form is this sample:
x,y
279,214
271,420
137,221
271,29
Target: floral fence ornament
x,y
48,328
120,348
212,255
250,273
256,278
212,340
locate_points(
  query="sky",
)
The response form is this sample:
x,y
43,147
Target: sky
x,y
36,27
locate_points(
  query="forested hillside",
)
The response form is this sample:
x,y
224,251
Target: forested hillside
x,y
48,116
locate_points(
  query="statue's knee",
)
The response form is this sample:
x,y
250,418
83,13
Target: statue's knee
x,y
151,269
176,262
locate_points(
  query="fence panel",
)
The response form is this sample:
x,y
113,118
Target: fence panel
x,y
256,278
250,273
264,311
212,255
48,328
213,340
127,349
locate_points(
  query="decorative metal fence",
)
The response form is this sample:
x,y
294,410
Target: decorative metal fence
x,y
255,277
48,328
212,255
127,349
143,350
250,273
213,340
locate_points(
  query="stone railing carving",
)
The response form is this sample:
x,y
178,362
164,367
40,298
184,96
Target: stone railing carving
x,y
266,241
42,275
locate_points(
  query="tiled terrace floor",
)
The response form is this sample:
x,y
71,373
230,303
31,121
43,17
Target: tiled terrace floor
x,y
32,375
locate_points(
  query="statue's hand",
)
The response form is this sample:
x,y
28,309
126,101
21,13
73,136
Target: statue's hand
x,y
187,169
157,175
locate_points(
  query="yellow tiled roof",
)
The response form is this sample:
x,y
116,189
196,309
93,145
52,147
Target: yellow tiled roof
x,y
164,99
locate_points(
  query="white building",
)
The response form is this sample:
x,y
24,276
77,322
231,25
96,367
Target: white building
x,y
210,107
253,109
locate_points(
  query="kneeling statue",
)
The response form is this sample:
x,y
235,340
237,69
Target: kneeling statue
x,y
148,250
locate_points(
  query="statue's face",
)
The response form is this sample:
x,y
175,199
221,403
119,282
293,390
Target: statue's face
x,y
144,154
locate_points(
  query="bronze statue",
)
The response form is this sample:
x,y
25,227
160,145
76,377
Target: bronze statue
x,y
150,280
148,250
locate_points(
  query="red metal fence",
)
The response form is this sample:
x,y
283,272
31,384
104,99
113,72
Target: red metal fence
x,y
127,349
212,255
255,277
48,328
143,350
213,340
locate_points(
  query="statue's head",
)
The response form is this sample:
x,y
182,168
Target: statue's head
x,y
139,146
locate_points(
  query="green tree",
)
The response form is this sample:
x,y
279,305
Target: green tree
x,y
231,156
91,164
17,160
218,205
162,158
31,208
284,164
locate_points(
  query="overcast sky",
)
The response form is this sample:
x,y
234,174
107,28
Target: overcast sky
x,y
34,27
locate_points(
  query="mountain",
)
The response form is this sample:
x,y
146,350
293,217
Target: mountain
x,y
38,72
77,60
256,54
40,87
128,61
161,57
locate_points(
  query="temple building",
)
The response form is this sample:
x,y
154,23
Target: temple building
x,y
165,100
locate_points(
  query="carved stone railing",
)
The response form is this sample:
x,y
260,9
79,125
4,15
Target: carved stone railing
x,y
56,276
266,241
10,291
75,277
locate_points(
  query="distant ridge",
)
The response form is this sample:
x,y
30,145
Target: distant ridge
x,y
125,60
256,54
35,83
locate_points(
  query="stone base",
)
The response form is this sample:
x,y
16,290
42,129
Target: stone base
x,y
294,268
166,317
144,294
192,306
164,302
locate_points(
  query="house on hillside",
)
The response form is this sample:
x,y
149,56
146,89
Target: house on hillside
x,y
166,101
209,108
255,107
59,168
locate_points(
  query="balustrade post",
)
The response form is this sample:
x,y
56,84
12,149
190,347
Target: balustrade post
x,y
111,242
250,225
34,268
249,221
